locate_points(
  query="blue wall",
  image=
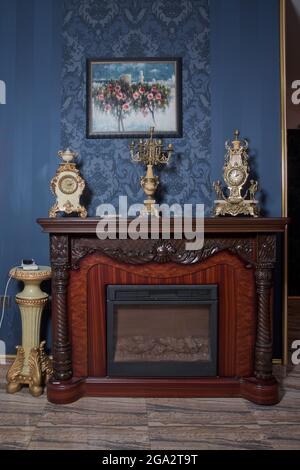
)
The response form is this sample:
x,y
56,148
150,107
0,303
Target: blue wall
x,y
30,64
46,44
245,88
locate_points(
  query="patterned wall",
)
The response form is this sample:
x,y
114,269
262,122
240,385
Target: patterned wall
x,y
139,28
246,95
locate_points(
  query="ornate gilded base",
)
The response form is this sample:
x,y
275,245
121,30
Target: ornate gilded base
x,y
40,371
232,208
68,209
149,208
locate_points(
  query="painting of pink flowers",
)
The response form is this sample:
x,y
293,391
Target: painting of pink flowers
x,y
126,97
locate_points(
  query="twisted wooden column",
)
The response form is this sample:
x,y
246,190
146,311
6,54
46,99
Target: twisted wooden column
x,y
266,257
62,359
264,343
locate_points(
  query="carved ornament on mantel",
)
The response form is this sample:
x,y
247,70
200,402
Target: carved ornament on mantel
x,y
160,251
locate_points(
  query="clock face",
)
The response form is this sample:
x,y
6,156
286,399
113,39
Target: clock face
x,y
236,176
68,184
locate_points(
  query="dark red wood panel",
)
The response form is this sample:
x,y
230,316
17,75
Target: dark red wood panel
x,y
87,307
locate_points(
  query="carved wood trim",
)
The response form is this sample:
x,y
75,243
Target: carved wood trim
x,y
266,248
62,359
160,251
59,250
266,258
263,346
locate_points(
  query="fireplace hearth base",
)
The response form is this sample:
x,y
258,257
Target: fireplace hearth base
x,y
259,392
238,256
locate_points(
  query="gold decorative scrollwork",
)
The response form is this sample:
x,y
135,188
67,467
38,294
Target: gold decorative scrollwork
x,y
40,371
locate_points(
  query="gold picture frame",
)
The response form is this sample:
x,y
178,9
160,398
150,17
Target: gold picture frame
x,y
284,178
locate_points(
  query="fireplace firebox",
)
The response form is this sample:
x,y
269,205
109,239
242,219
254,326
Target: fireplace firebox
x,y
162,331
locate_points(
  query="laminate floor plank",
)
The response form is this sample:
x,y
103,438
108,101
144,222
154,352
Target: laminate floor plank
x,y
158,424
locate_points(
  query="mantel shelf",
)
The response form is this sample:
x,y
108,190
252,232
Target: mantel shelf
x,y
211,225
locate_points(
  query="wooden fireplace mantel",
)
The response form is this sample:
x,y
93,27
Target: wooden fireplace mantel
x,y
239,255
74,225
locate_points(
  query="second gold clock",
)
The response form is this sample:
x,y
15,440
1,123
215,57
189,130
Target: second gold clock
x,y
236,199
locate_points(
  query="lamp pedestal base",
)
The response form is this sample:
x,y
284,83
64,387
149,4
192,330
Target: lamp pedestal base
x,y
32,366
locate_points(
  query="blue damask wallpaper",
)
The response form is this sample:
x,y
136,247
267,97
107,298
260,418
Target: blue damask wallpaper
x,y
139,28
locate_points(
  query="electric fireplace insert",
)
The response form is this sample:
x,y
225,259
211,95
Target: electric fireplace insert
x,y
162,331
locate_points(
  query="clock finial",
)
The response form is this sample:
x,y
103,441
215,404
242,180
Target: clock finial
x,y
236,142
67,155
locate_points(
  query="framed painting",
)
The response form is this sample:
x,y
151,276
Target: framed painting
x,y
125,97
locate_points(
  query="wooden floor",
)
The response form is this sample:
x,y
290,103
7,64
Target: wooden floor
x,y
179,424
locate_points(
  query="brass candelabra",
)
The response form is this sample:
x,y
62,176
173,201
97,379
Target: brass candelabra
x,y
150,153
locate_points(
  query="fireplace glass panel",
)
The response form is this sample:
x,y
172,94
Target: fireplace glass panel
x,y
144,333
162,330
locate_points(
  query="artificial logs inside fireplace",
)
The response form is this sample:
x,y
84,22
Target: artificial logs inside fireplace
x,y
161,331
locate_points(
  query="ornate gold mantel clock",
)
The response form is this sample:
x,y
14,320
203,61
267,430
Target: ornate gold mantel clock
x,y
237,198
67,185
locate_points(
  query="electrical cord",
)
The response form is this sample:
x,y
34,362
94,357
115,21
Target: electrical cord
x,y
5,294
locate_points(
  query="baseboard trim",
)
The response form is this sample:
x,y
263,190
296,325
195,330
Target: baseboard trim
x,y
6,358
